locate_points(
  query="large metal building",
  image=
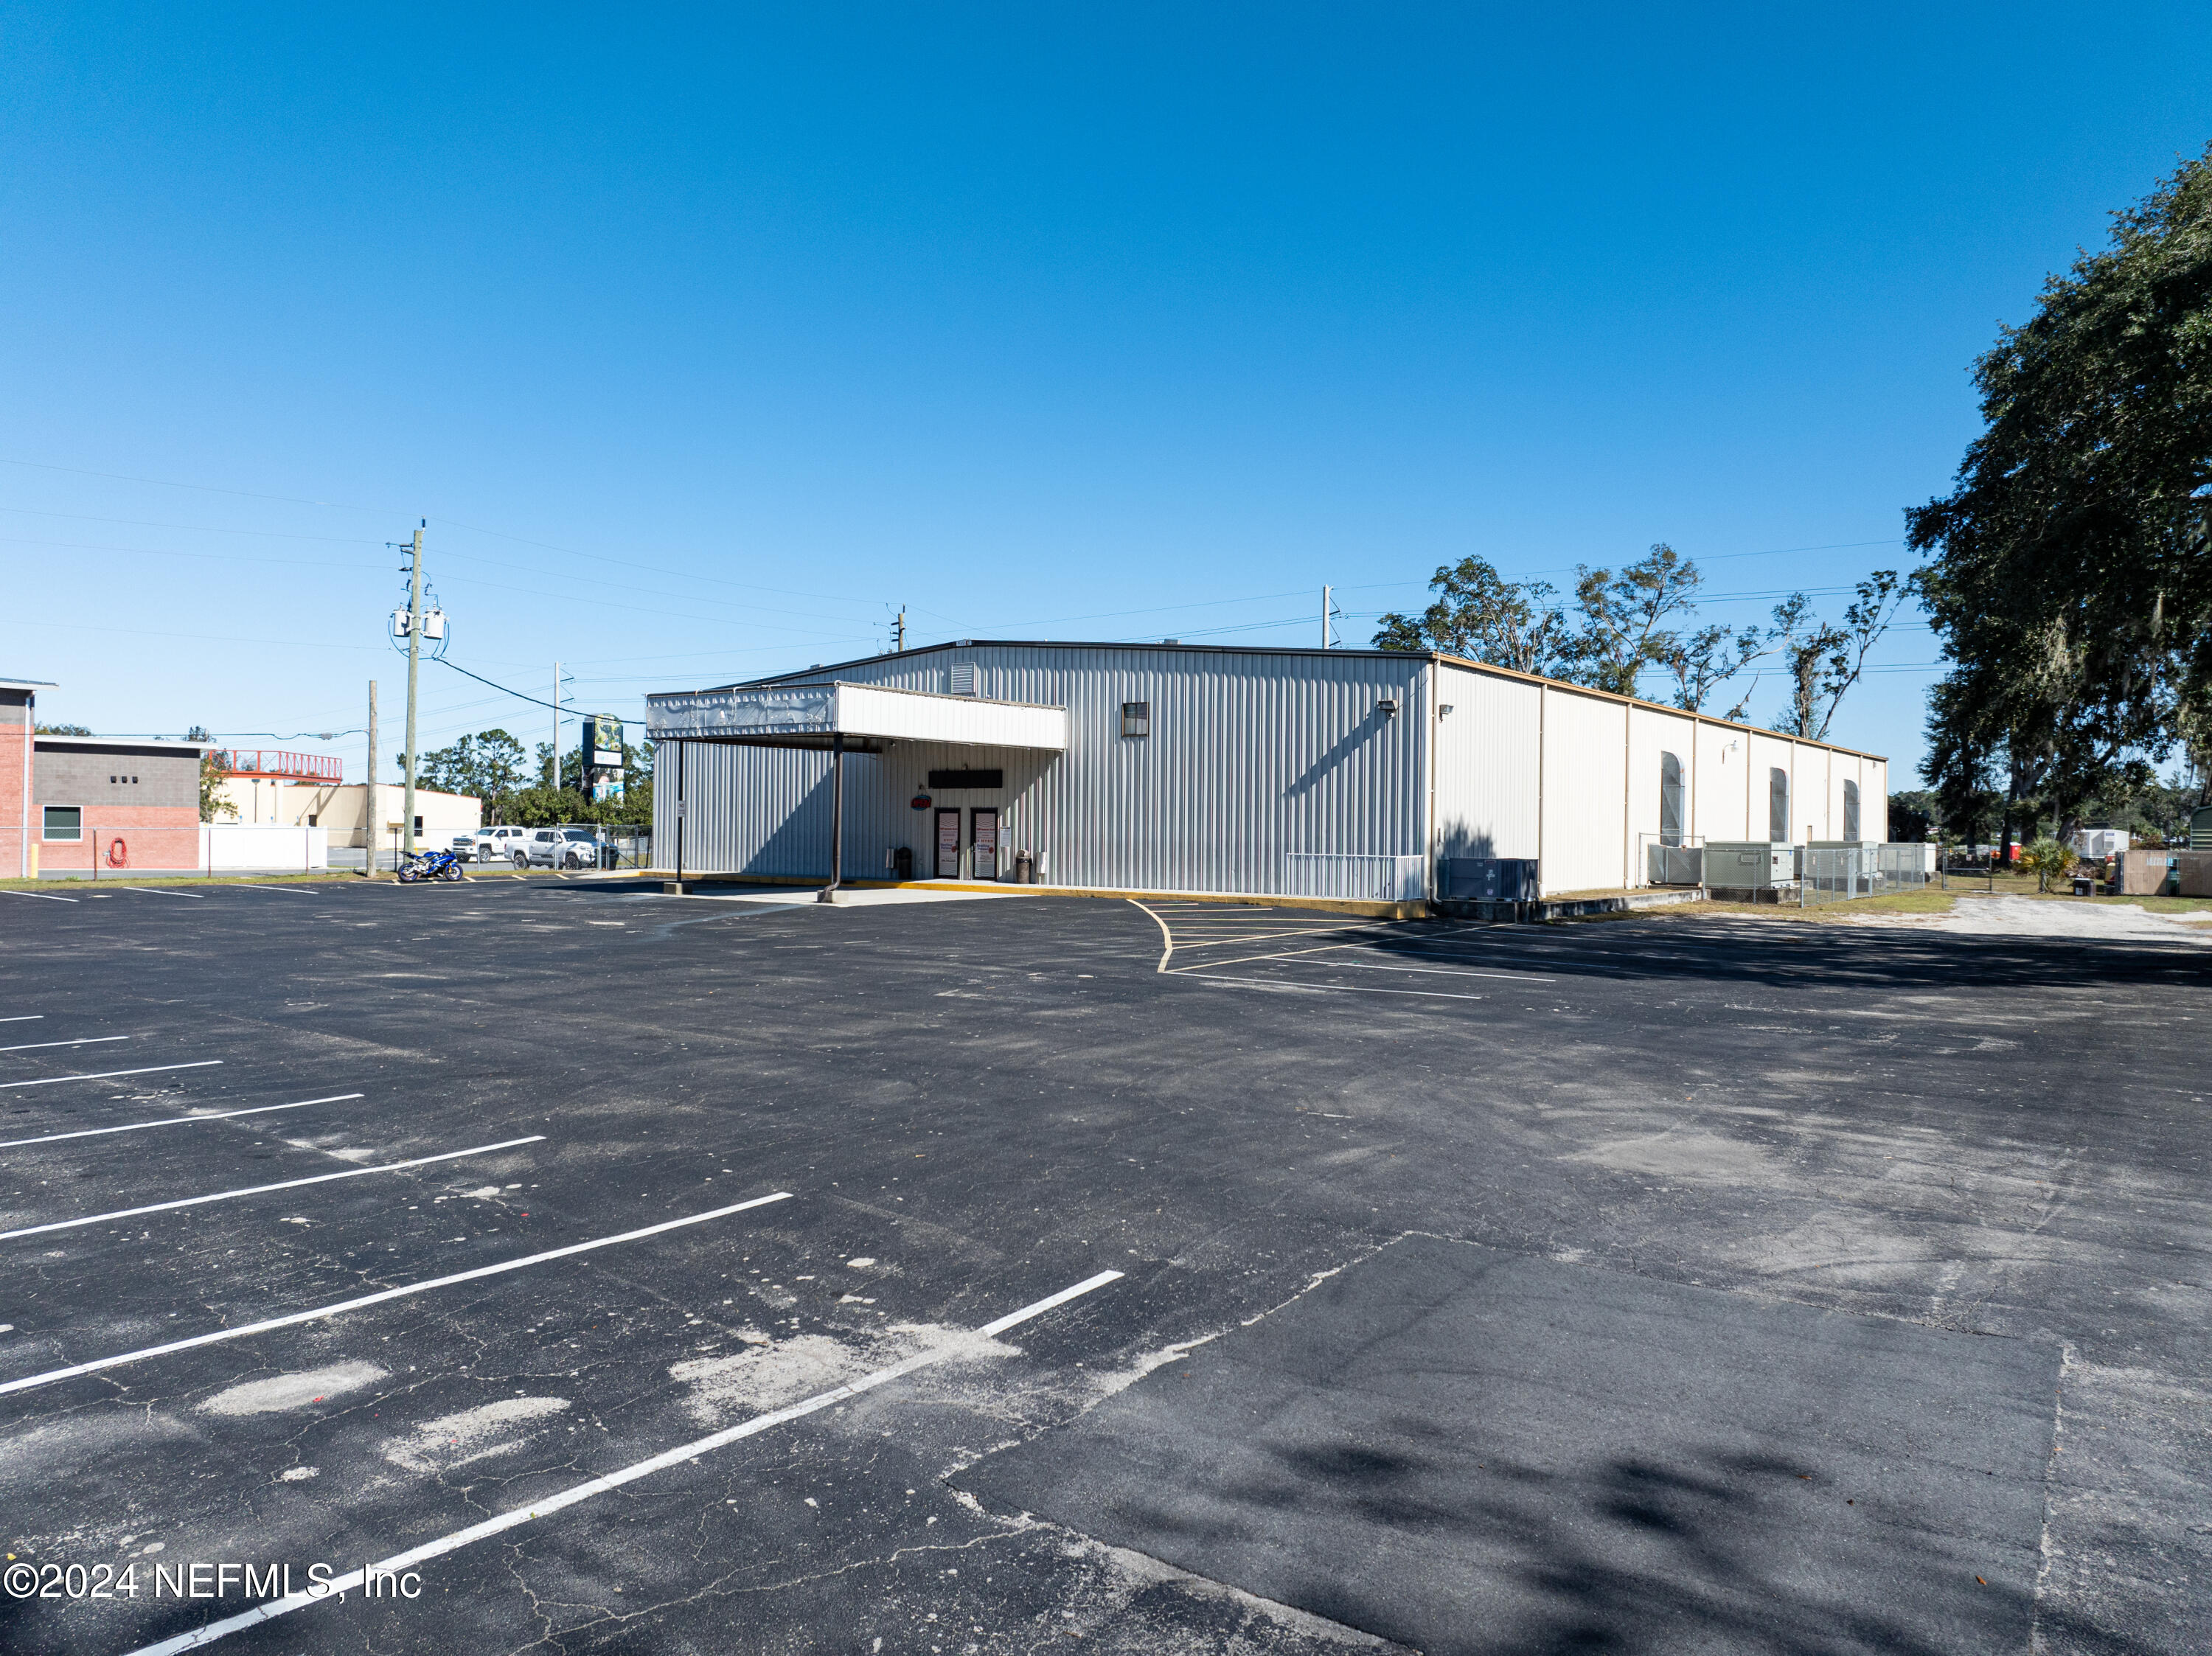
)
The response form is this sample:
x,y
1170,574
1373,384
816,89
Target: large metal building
x,y
1198,769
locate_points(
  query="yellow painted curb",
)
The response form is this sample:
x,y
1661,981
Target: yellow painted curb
x,y
1413,911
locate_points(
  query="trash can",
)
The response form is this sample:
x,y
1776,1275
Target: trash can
x,y
1024,868
903,863
610,856
2084,887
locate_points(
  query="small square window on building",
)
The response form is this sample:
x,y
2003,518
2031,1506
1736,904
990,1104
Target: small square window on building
x,y
64,823
1136,719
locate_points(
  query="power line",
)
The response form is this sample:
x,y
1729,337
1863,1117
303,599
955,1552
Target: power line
x,y
164,483
197,529
627,563
517,694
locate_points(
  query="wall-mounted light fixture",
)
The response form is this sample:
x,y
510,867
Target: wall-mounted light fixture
x,y
1444,710
1387,707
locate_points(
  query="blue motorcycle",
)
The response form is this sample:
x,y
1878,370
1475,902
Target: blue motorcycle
x,y
430,865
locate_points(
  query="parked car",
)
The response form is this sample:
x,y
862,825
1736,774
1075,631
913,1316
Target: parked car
x,y
489,844
572,847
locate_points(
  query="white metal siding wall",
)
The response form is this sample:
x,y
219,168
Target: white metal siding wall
x,y
1486,760
1585,766
1651,733
881,818
1721,765
1813,816
748,811
1764,753
1249,758
1835,770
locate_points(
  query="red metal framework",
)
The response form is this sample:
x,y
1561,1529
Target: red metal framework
x,y
277,762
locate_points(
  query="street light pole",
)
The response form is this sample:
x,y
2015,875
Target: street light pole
x,y
414,658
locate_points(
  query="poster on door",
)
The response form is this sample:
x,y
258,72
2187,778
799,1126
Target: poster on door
x,y
948,844
986,845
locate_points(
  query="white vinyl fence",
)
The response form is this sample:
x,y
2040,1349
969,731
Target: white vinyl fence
x,y
263,848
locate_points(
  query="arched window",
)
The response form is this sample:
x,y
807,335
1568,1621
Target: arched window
x,y
1850,810
1670,800
1777,806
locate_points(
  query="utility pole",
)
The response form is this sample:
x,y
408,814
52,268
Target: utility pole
x,y
369,823
898,632
1325,592
414,659
554,780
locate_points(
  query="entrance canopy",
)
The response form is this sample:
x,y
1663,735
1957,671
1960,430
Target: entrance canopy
x,y
869,718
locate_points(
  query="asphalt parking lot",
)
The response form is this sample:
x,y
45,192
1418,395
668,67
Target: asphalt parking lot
x,y
593,1270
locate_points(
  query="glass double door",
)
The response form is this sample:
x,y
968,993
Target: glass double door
x,y
981,843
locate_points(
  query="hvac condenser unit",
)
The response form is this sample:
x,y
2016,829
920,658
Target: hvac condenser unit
x,y
1673,866
1749,863
1490,879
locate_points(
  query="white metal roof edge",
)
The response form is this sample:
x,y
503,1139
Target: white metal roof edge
x,y
1071,643
946,695
28,685
858,684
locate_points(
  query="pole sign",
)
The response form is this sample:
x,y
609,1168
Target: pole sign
x,y
604,737
603,757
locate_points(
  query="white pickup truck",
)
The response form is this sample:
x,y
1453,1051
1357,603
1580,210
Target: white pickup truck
x,y
568,847
489,845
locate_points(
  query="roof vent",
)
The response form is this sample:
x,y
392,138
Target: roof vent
x,y
964,678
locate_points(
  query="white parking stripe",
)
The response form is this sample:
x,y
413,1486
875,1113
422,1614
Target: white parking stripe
x,y
47,895
400,1563
1300,956
292,1318
1215,942
23,1017
109,1074
87,1040
1425,971
263,1189
175,1121
1318,988
156,891
1037,1308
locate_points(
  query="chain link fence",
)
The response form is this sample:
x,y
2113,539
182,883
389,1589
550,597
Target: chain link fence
x,y
1838,874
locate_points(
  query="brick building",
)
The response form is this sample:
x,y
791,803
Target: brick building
x,y
132,803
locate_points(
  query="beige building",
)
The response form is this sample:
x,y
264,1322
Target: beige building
x,y
339,808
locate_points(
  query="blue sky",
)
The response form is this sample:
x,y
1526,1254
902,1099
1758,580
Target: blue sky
x,y
707,338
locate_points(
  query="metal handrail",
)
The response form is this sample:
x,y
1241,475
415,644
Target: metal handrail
x,y
280,762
